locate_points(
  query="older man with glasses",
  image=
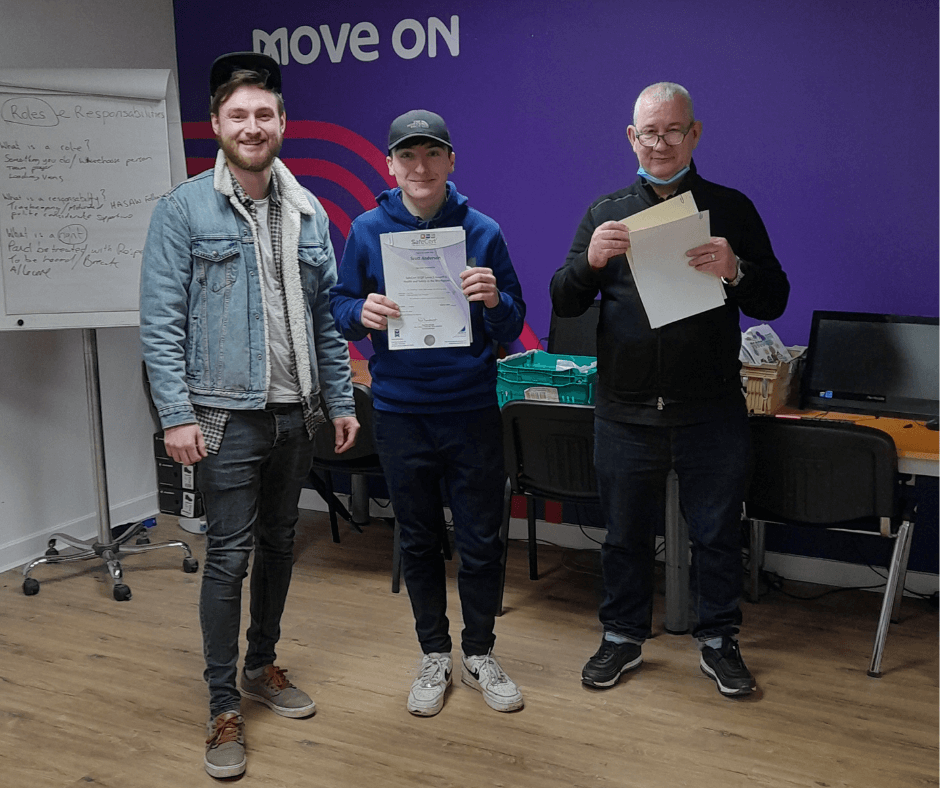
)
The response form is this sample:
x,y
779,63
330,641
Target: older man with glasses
x,y
670,397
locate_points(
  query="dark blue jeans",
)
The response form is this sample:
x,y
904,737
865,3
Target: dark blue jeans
x,y
251,489
465,451
712,462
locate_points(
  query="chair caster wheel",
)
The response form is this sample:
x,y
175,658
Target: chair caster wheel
x,y
52,551
142,540
190,565
30,586
121,592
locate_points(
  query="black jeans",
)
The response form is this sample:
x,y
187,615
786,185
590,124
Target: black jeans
x,y
712,462
465,450
251,489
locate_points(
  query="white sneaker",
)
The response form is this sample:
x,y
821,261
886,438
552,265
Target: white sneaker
x,y
427,692
484,674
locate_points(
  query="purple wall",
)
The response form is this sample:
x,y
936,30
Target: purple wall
x,y
824,113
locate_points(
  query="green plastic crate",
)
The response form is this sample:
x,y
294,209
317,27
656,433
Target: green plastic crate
x,y
534,375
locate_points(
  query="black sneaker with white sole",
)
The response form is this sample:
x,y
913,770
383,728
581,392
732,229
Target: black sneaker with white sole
x,y
609,663
726,666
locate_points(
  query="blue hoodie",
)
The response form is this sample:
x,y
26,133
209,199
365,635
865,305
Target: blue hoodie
x,y
434,380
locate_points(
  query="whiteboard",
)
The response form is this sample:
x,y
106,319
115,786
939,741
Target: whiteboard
x,y
84,155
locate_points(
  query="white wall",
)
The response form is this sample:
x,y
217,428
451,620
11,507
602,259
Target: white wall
x,y
46,471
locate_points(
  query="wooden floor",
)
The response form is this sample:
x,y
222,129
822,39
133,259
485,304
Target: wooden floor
x,y
95,692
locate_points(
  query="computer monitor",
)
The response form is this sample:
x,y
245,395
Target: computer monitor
x,y
886,365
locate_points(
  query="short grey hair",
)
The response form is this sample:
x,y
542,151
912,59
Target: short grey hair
x,y
664,91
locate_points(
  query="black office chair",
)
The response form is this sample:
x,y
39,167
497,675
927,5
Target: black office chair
x,y
549,449
361,460
575,336
835,475
569,336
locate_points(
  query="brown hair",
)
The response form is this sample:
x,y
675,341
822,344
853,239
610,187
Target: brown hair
x,y
243,78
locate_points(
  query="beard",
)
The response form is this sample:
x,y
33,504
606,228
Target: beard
x,y
271,148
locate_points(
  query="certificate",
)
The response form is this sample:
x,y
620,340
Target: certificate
x,y
422,275
677,207
669,287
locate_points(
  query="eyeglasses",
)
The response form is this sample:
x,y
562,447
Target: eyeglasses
x,y
673,137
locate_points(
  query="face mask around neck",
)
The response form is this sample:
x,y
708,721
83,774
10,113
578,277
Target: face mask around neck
x,y
659,181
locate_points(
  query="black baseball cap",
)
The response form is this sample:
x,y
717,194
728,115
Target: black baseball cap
x,y
418,123
226,65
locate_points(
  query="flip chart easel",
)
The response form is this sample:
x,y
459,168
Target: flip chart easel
x,y
84,154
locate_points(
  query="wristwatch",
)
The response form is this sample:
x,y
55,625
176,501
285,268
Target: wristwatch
x,y
739,275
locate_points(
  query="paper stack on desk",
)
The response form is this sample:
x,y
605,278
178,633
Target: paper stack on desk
x,y
669,287
761,345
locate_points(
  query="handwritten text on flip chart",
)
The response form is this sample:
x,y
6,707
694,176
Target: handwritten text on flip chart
x,y
78,179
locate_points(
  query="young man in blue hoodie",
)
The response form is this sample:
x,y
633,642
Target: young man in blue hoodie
x,y
436,412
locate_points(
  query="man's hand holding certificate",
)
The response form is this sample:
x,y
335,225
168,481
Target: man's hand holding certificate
x,y
674,260
427,279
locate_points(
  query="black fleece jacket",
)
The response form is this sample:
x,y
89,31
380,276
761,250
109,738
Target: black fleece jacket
x,y
694,360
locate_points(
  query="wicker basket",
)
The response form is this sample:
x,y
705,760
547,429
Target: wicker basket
x,y
768,387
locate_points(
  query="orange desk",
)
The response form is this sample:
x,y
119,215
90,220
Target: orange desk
x,y
360,371
918,448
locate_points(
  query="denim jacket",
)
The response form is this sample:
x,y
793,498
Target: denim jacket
x,y
203,322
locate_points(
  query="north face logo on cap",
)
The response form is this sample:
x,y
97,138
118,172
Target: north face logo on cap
x,y
419,124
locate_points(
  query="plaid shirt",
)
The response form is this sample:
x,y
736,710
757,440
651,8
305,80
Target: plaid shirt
x,y
212,421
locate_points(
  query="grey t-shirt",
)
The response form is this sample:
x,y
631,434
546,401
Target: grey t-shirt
x,y
283,386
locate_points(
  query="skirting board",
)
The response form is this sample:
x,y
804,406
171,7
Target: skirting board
x,y
791,567
19,552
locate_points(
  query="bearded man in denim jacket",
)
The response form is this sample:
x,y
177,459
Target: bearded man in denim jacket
x,y
243,356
